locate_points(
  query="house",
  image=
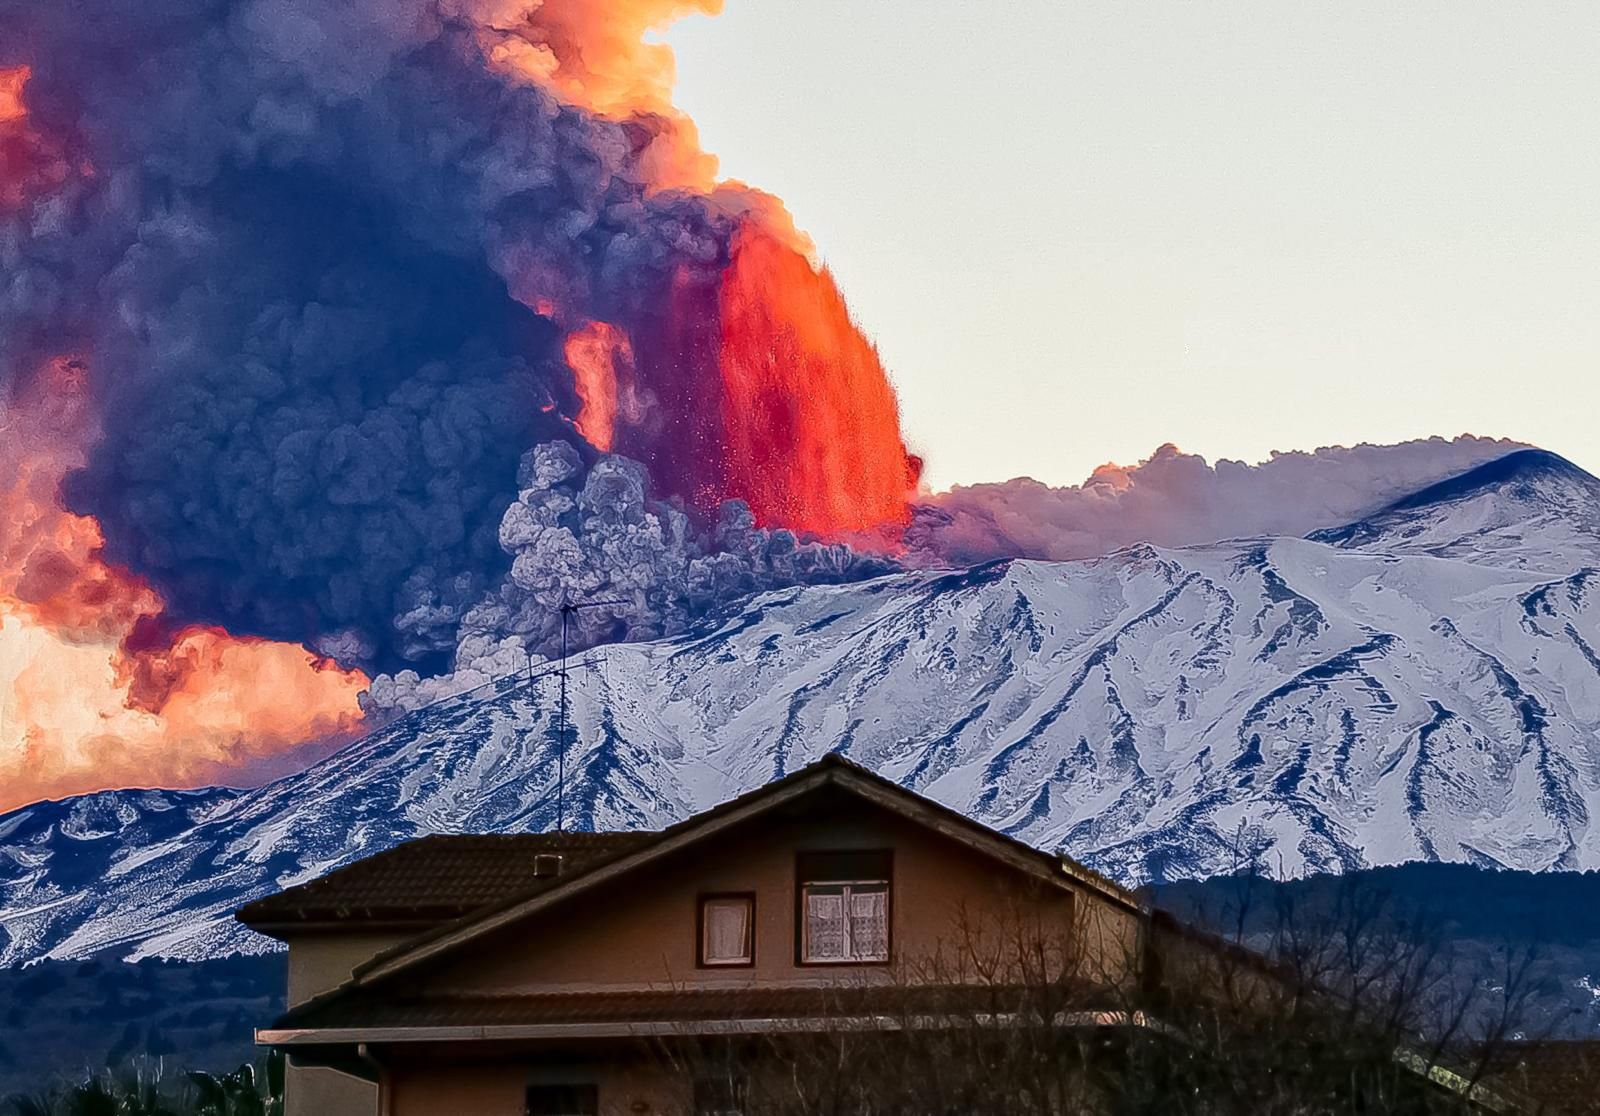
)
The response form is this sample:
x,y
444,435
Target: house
x,y
590,973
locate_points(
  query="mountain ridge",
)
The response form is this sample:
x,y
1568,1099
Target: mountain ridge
x,y
1326,703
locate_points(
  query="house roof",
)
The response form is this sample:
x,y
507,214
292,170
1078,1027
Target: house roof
x,y
386,883
433,879
832,771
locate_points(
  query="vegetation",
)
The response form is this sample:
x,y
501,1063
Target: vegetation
x,y
144,1091
1347,1007
63,1020
1347,1000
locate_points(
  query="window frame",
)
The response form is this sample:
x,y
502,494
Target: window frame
x,y
806,877
700,902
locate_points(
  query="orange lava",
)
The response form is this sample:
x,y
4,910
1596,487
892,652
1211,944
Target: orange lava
x,y
811,426
85,703
601,359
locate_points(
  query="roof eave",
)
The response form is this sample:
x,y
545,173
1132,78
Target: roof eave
x,y
732,1025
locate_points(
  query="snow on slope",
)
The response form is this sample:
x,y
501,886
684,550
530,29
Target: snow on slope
x,y
1421,685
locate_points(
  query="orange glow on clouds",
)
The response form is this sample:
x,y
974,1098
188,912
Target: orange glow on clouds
x,y
68,724
12,83
601,359
766,391
82,708
594,54
31,164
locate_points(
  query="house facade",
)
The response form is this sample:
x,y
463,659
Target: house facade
x,y
590,973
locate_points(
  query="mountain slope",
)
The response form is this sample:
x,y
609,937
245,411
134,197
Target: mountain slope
x,y
1528,510
1397,691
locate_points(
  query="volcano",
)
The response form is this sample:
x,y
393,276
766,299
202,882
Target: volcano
x,y
1394,691
1528,509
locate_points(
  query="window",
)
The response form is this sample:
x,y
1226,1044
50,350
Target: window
x,y
844,907
727,929
563,1100
719,1096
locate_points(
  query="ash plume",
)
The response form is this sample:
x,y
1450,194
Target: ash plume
x,y
320,260
595,533
386,326
1177,499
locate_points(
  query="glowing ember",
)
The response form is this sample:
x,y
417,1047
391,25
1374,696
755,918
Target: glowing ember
x,y
761,388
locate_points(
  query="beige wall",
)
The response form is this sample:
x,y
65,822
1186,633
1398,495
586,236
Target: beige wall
x,y
498,1089
319,963
459,1091
641,932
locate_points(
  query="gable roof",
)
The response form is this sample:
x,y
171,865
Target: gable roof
x,y
831,771
431,880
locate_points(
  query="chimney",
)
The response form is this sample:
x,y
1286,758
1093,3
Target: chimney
x,y
546,865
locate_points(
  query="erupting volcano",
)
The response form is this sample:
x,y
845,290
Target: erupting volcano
x,y
329,273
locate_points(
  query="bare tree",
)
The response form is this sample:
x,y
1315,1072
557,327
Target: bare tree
x,y
1349,1007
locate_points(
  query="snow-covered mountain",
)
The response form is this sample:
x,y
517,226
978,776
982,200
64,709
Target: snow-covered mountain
x,y
1422,685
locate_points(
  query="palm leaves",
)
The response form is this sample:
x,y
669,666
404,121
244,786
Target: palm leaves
x,y
236,1093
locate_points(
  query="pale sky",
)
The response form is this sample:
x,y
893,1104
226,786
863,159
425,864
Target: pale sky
x,y
1079,230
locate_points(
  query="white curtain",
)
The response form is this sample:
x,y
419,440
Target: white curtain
x,y
824,925
869,925
727,930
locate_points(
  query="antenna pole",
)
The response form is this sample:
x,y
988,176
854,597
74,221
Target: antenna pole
x,y
561,730
568,610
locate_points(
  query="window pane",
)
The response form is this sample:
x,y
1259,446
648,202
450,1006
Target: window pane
x,y
869,923
825,928
727,929
563,1100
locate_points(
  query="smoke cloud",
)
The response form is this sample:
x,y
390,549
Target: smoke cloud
x,y
1176,499
323,274
379,328
596,534
321,262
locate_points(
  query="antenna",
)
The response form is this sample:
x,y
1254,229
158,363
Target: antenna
x,y
568,610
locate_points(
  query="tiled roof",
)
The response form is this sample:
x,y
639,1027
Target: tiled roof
x,y
664,1006
436,878
831,772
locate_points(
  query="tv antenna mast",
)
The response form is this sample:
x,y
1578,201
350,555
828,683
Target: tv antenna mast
x,y
569,609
